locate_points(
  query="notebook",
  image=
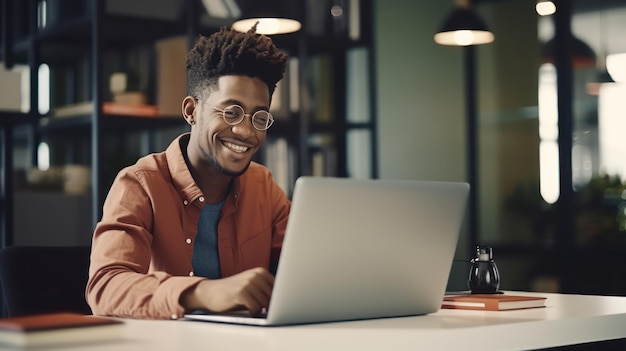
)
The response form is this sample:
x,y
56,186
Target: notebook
x,y
362,249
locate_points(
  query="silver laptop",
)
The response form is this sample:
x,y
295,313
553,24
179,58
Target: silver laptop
x,y
362,249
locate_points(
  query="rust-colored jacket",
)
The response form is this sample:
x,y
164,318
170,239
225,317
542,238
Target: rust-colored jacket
x,y
142,247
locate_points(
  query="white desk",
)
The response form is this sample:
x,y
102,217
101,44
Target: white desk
x,y
566,320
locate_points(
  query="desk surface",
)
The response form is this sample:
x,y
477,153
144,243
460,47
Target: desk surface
x,y
566,320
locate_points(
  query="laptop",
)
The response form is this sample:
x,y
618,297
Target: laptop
x,y
362,249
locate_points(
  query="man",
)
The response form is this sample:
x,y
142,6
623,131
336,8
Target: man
x,y
198,226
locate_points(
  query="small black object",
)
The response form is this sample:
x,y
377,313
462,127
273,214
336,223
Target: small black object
x,y
484,277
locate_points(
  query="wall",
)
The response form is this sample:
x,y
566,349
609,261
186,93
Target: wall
x,y
419,94
421,111
508,123
421,128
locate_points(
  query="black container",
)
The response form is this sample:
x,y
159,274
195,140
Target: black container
x,y
484,277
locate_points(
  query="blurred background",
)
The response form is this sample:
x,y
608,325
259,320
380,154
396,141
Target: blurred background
x,y
533,120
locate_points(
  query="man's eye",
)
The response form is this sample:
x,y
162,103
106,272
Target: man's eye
x,y
231,114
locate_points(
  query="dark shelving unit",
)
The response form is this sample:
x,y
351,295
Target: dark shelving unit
x,y
89,32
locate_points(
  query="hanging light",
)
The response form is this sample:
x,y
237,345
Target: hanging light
x,y
616,67
545,8
267,25
273,17
581,53
463,27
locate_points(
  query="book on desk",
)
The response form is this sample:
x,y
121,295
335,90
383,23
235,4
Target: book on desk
x,y
492,302
57,328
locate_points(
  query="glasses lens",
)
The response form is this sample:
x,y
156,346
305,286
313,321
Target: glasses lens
x,y
262,120
233,114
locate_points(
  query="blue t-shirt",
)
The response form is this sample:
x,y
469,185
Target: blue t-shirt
x,y
205,259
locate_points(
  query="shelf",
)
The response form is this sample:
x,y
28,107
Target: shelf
x,y
66,40
317,44
109,123
14,118
131,30
120,29
284,126
133,123
322,45
74,29
124,39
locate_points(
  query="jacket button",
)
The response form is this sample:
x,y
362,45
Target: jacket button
x,y
188,241
186,202
191,274
201,198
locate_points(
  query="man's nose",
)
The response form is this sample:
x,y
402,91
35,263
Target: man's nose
x,y
245,127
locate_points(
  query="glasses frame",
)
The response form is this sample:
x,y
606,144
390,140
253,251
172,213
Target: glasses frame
x,y
244,115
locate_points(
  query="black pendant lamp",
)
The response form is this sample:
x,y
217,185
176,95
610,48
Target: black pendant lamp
x,y
463,27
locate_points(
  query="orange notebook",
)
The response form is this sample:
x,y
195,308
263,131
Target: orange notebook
x,y
57,328
489,302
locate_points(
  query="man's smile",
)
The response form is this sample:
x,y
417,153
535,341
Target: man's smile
x,y
235,147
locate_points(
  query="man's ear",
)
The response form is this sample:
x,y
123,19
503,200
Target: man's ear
x,y
189,106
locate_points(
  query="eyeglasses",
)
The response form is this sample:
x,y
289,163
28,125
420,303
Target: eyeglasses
x,y
234,114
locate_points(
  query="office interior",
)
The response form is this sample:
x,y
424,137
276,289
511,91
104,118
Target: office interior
x,y
549,162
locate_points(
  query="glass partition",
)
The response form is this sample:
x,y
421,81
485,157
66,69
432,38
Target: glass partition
x,y
521,90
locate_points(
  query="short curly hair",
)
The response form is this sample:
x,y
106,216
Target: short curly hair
x,y
228,52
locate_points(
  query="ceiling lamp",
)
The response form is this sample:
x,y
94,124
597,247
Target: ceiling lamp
x,y
268,25
463,27
545,8
616,67
273,17
582,54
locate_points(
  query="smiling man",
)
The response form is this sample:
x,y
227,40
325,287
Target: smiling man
x,y
199,226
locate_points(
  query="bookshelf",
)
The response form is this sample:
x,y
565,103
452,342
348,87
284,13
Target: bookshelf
x,y
324,107
330,128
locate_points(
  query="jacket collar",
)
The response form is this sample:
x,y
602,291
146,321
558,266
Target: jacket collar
x,y
182,178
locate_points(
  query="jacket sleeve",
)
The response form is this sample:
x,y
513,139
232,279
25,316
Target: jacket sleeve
x,y
119,281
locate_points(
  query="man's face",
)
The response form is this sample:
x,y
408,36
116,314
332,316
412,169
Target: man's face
x,y
229,148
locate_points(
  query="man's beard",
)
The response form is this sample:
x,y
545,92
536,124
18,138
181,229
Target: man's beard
x,y
213,162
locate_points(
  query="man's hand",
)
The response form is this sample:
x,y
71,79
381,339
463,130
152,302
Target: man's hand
x,y
249,289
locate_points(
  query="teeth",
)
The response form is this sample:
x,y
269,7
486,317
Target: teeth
x,y
236,148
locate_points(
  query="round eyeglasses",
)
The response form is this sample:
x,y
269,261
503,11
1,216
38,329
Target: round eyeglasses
x,y
234,114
